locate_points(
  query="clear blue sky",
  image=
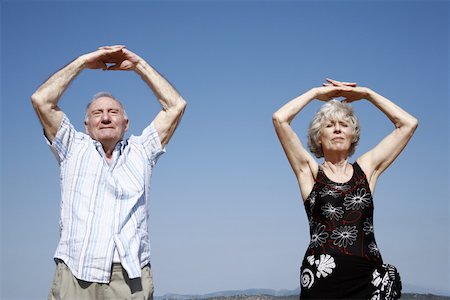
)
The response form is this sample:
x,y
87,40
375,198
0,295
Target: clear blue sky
x,y
226,210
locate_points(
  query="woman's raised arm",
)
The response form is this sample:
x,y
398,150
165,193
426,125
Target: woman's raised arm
x,y
303,164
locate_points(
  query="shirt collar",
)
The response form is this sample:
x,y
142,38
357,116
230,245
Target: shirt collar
x,y
120,146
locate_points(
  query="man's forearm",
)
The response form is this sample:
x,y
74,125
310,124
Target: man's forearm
x,y
172,103
167,95
45,99
49,93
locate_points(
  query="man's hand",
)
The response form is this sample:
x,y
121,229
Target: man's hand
x,y
111,58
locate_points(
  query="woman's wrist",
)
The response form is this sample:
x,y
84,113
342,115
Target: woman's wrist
x,y
369,94
314,93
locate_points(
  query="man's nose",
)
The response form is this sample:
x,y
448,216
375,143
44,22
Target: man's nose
x,y
106,118
337,128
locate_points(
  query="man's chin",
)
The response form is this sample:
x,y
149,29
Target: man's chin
x,y
108,139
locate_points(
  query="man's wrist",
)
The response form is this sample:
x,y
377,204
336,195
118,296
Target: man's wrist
x,y
80,62
141,67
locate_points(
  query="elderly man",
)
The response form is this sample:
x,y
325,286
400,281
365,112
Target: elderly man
x,y
104,252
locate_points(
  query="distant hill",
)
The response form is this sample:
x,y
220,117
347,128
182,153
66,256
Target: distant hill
x,y
405,296
267,294
232,293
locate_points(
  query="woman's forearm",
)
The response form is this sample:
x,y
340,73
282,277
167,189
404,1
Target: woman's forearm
x,y
399,117
288,111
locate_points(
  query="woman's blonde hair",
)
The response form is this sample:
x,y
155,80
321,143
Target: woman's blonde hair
x,y
332,110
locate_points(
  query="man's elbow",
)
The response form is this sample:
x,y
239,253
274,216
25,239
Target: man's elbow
x,y
176,109
181,105
41,103
36,100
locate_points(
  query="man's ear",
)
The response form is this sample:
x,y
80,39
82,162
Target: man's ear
x,y
86,127
126,126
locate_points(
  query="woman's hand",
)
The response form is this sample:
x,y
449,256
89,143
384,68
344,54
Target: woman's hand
x,y
328,92
351,92
355,94
338,83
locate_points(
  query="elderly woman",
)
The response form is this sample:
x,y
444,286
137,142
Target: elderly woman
x,y
342,260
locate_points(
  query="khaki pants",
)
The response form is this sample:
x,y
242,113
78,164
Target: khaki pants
x,y
67,287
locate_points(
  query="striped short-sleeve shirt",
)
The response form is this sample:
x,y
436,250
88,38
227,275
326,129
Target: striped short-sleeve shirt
x,y
104,207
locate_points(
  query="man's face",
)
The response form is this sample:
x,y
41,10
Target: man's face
x,y
106,121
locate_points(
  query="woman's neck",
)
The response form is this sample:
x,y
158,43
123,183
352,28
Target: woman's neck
x,y
337,166
337,159
338,170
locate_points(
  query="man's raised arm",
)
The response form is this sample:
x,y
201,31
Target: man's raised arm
x,y
172,103
45,99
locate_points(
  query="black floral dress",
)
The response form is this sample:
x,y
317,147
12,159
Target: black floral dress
x,y
343,260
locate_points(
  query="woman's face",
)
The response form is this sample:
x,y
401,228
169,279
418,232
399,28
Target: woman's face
x,y
336,136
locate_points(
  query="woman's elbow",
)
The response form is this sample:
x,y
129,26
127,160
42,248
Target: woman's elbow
x,y
412,124
277,118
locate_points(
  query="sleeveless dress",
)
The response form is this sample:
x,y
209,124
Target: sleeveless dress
x,y
343,260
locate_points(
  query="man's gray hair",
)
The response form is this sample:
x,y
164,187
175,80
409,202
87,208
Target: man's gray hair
x,y
104,94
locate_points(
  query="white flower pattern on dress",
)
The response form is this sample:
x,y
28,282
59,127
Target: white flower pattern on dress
x,y
325,265
359,200
329,192
368,226
312,198
344,236
311,222
319,236
332,212
340,216
374,249
322,267
312,201
341,188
